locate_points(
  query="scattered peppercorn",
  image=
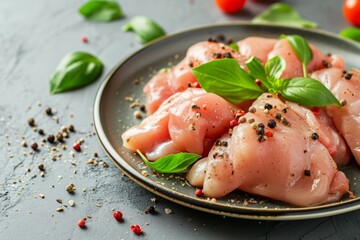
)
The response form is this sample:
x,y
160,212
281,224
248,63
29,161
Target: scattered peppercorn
x,y
41,167
260,131
71,128
51,138
268,106
48,111
76,147
284,110
198,192
261,125
326,64
149,210
59,209
31,122
348,76
285,122
278,116
234,123
82,223
315,110
41,131
136,229
34,146
118,216
59,137
271,123
315,136
269,134
343,102
70,188
227,55
84,39
307,173
194,106
252,109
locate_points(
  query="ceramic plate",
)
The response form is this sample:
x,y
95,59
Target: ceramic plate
x,y
113,115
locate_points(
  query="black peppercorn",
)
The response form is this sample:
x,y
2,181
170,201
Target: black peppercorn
x,y
271,123
51,138
315,136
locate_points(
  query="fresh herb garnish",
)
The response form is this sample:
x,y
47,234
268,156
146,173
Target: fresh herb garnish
x,y
145,28
75,70
352,33
225,78
283,14
234,46
301,49
307,92
172,163
101,10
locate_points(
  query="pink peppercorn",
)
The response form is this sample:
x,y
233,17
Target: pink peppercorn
x,y
198,192
82,223
234,123
118,215
136,229
84,39
77,147
269,134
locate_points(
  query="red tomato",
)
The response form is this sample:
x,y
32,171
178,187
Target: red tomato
x,y
230,6
351,10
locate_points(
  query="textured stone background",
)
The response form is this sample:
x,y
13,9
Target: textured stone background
x,y
34,36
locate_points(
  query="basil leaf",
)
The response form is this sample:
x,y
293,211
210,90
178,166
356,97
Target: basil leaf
x,y
234,46
275,67
75,70
283,14
101,10
145,29
301,49
307,92
227,79
257,71
352,33
171,163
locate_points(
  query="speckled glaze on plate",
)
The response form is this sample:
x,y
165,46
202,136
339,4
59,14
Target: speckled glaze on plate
x,y
113,115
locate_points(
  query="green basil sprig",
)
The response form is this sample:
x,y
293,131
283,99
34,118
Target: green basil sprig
x,y
301,49
101,10
305,91
352,33
75,70
234,46
172,163
283,14
225,78
145,28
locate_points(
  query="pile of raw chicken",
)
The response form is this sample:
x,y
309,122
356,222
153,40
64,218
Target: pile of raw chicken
x,y
295,162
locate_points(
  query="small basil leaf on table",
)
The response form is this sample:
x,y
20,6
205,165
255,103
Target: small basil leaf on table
x,y
352,33
101,10
283,14
301,49
307,92
172,163
75,70
145,28
227,79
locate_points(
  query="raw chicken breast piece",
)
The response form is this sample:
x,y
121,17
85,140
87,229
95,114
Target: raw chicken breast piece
x,y
293,65
347,118
289,166
189,121
179,78
258,47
